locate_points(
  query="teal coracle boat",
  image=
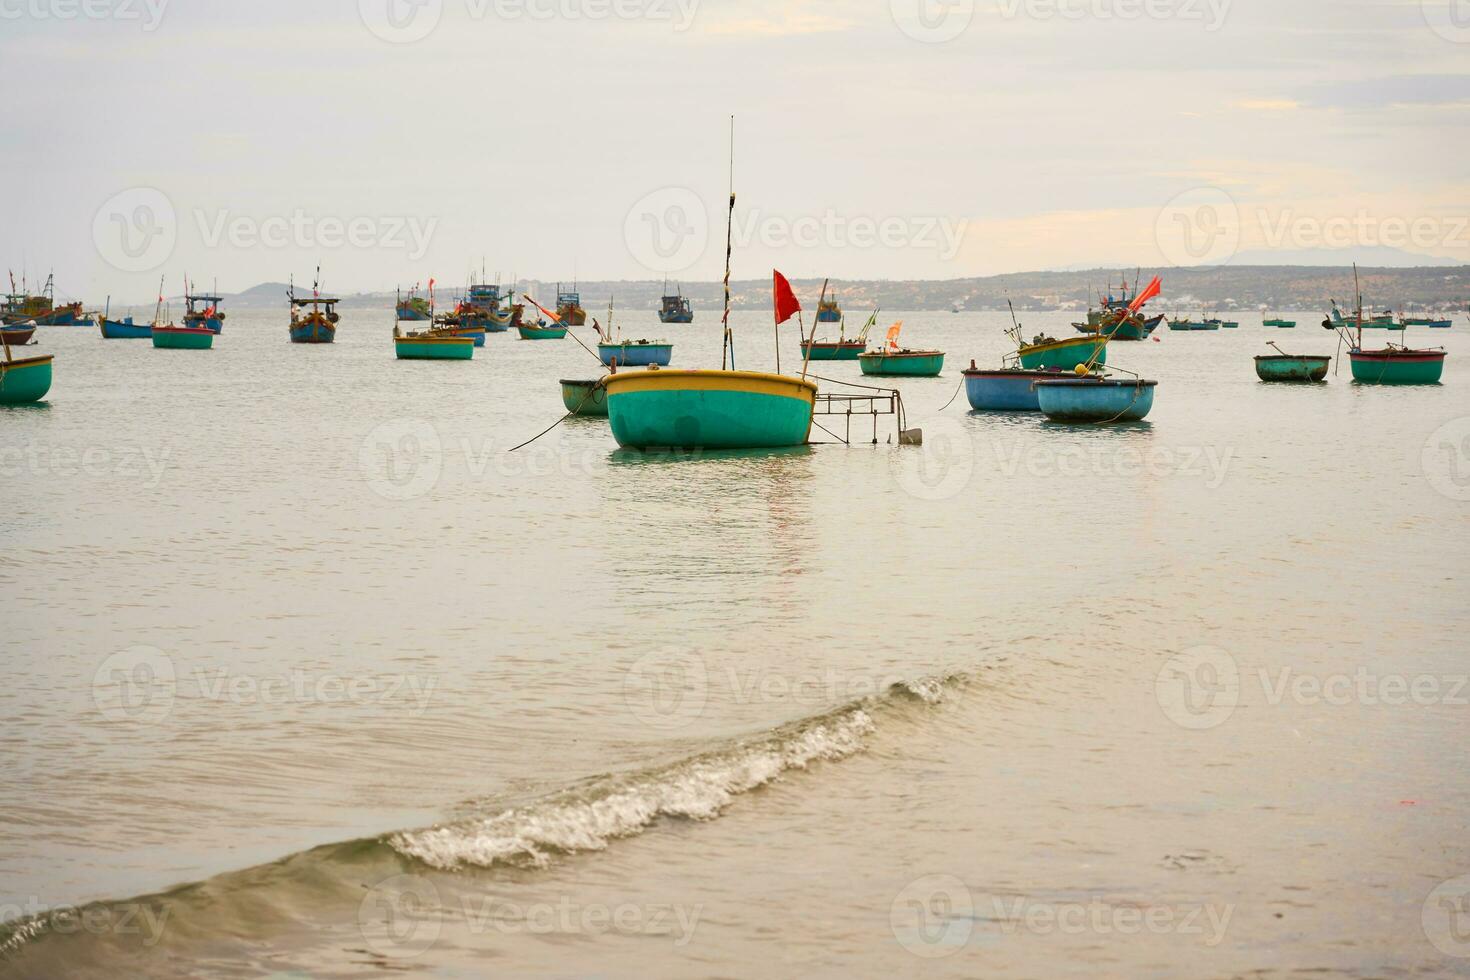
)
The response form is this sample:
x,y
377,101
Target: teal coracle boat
x,y
440,348
833,350
587,398
635,353
902,363
1063,355
1095,400
1397,366
1277,322
684,409
1290,367
542,332
183,338
24,379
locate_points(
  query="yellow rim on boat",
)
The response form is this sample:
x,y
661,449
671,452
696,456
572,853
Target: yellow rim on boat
x,y
758,382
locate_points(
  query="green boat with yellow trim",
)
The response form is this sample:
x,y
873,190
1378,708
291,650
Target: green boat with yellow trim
x,y
709,409
432,346
174,337
587,398
1047,354
24,379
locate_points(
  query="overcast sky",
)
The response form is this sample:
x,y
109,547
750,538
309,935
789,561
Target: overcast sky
x,y
395,140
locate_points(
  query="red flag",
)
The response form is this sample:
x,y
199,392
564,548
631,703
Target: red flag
x,y
784,300
1149,292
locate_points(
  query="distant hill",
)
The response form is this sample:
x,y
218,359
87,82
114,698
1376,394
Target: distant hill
x,y
1292,287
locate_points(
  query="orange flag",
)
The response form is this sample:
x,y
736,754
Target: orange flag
x,y
893,333
1149,292
550,315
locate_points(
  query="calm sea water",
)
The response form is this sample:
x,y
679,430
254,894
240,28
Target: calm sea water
x,y
309,676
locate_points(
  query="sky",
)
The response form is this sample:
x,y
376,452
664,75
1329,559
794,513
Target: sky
x,y
394,141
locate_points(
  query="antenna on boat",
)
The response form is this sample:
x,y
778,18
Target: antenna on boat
x,y
727,345
807,357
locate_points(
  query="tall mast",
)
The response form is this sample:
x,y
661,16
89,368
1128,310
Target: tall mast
x,y
727,347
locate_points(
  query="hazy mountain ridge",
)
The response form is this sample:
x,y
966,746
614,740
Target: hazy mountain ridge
x,y
1211,287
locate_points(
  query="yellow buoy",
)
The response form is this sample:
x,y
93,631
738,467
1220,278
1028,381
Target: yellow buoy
x,y
1081,370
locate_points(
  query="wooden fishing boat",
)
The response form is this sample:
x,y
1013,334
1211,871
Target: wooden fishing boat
x,y
1291,367
833,350
1094,399
587,398
1229,324
1113,319
902,363
18,334
1435,323
829,312
635,353
203,311
1396,365
174,337
1009,389
498,321
1370,321
691,409
569,307
543,331
40,310
124,329
412,308
313,320
476,334
24,379
1185,323
432,346
1277,322
674,308
1045,352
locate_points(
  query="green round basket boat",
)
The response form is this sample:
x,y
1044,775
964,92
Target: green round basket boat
x,y
902,363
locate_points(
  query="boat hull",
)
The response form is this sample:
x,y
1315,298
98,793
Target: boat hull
x,y
312,333
1283,324
497,322
709,409
1287,367
25,380
636,355
475,334
434,348
915,364
834,350
542,333
829,316
1083,400
124,329
15,336
411,314
676,317
1064,355
214,324
1005,390
183,338
1394,367
587,398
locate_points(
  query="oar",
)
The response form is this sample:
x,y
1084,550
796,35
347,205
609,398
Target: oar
x,y
1272,343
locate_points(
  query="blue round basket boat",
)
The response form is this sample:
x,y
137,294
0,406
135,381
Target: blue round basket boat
x,y
1096,400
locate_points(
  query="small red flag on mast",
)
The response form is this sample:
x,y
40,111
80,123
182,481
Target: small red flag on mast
x,y
783,298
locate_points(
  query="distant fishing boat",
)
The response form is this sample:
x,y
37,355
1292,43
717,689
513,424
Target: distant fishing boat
x,y
181,338
1185,323
840,349
675,308
829,312
550,329
18,334
431,345
124,329
1370,321
1434,322
1392,365
1228,324
203,311
313,319
723,409
481,309
1277,322
569,307
40,310
412,308
1111,316
585,397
